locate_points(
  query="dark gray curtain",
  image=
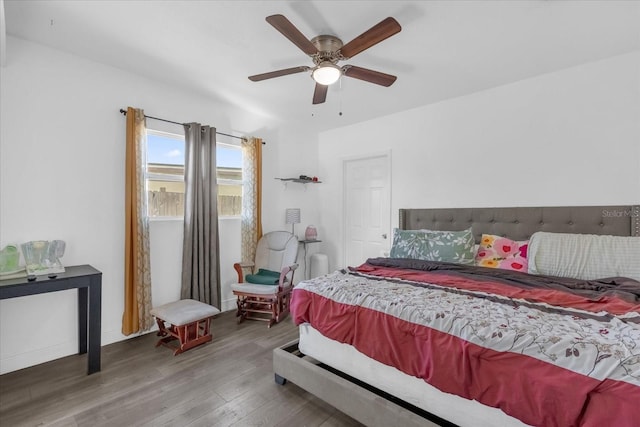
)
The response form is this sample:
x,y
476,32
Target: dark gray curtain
x,y
200,260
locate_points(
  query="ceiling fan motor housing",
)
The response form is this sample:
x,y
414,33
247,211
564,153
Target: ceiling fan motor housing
x,y
328,47
326,43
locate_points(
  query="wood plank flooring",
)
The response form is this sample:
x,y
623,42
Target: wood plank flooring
x,y
227,382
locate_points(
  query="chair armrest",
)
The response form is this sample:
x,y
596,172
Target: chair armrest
x,y
292,267
283,275
238,266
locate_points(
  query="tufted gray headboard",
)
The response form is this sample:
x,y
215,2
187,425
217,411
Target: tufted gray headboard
x,y
520,223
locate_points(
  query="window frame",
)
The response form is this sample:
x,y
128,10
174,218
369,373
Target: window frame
x,y
155,176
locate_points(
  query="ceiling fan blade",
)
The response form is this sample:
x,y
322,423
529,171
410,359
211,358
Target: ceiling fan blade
x,y
272,74
320,93
374,35
282,24
367,75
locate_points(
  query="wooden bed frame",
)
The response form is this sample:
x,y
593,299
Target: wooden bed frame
x,y
373,407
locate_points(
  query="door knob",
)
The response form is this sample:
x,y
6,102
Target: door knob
x,y
384,236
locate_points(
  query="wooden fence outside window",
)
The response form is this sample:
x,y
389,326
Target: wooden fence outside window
x,y
171,204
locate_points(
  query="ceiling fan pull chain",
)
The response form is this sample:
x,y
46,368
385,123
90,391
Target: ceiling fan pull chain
x,y
340,96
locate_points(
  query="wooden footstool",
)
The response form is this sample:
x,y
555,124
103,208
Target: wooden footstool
x,y
189,323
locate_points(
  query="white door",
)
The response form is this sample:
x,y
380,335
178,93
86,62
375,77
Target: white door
x,y
367,207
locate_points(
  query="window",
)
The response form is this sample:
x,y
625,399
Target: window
x,y
229,174
165,176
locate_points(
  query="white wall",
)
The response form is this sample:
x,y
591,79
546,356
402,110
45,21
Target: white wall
x,y
62,177
567,138
293,154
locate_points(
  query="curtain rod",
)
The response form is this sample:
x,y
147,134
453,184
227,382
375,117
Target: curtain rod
x,y
124,112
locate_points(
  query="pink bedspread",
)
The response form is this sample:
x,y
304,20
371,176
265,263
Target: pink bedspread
x,y
546,355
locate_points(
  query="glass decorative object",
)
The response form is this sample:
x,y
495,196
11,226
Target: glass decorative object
x,y
43,257
311,233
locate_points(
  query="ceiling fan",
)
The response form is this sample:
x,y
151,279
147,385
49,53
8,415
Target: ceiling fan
x,y
325,52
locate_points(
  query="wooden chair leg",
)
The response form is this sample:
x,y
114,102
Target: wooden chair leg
x,y
161,329
239,306
283,304
274,312
206,327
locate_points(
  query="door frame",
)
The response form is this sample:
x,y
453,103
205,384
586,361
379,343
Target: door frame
x,y
386,154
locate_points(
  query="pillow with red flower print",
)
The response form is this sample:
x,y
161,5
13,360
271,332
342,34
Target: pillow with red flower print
x,y
500,252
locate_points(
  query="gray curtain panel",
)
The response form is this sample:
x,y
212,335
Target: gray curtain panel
x,y
200,260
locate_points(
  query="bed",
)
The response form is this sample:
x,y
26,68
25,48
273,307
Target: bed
x,y
408,341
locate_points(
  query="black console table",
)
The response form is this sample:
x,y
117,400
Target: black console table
x,y
88,281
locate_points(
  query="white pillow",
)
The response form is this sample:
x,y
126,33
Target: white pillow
x,y
584,256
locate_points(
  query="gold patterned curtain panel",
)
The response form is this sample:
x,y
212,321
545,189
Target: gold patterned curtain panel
x,y
251,225
137,270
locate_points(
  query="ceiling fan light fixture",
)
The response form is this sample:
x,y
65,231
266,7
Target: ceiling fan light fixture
x,y
326,73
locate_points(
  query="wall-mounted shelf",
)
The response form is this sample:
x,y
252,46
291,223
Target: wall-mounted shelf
x,y
298,180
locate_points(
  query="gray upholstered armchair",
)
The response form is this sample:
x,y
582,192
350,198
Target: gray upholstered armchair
x,y
264,285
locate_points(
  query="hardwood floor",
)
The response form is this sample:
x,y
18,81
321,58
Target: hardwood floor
x,y
227,382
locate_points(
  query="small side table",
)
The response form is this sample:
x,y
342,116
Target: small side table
x,y
306,242
88,281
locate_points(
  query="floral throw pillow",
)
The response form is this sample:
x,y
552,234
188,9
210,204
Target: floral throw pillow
x,y
500,252
451,246
431,245
409,244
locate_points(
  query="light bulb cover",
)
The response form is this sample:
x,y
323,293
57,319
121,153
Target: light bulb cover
x,y
326,73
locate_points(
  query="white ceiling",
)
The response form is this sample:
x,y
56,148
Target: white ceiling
x,y
445,49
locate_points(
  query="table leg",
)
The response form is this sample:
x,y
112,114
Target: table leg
x,y
95,322
82,320
306,273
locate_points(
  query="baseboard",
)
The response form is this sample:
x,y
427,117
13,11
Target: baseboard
x,y
228,304
38,356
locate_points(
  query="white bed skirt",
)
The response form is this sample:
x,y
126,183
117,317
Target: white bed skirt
x,y
345,358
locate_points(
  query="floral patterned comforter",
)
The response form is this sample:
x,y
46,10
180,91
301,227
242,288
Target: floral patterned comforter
x,y
548,352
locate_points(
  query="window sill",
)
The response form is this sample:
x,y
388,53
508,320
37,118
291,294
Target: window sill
x,y
181,219
165,218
